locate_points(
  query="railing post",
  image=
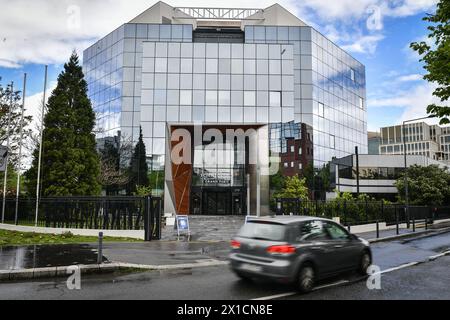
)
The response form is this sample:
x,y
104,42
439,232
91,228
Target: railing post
x,y
396,220
100,248
147,218
367,211
378,220
345,215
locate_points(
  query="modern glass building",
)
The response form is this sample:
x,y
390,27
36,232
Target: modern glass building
x,y
262,70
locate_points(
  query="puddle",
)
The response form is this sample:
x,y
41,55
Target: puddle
x,y
27,257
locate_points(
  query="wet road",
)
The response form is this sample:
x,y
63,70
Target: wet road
x,y
427,280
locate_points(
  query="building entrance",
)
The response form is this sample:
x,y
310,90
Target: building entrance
x,y
218,201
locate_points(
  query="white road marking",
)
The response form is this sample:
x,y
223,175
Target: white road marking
x,y
400,267
331,285
288,294
439,255
282,295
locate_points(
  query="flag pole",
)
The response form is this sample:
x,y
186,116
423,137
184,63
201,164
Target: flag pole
x,y
40,149
5,179
19,165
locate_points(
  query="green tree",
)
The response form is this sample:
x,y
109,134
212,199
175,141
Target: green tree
x,y
426,185
11,117
318,180
138,167
70,162
277,182
11,182
437,58
156,179
113,177
294,188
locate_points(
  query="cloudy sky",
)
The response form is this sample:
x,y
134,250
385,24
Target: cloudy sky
x,y
376,32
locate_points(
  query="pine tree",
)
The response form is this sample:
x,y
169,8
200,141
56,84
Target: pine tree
x,y
138,167
70,162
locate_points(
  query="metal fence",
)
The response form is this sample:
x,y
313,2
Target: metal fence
x,y
103,213
361,212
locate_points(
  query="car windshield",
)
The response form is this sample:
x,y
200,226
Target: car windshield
x,y
263,231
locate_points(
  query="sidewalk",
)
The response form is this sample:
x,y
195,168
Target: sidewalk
x,y
49,261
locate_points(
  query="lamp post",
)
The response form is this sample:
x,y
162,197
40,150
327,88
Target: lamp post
x,y
406,162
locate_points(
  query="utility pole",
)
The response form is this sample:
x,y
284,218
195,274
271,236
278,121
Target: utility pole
x,y
5,178
357,170
19,165
40,149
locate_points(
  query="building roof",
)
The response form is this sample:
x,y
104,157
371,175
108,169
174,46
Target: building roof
x,y
275,15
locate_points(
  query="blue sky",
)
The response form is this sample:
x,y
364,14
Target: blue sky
x,y
376,32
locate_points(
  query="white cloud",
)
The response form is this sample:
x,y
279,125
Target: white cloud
x,y
364,44
46,31
413,101
410,78
33,105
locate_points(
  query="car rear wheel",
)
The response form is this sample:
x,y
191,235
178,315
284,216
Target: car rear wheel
x,y
365,263
306,277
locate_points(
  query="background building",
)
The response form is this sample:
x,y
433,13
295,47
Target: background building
x,y
421,139
377,173
263,68
374,140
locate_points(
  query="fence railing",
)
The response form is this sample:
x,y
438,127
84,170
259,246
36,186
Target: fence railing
x,y
352,213
103,213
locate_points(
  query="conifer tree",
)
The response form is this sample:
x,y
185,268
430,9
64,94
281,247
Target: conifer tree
x,y
70,162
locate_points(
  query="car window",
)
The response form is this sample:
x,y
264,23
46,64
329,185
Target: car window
x,y
311,230
336,232
263,231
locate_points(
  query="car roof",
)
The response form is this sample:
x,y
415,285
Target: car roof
x,y
284,219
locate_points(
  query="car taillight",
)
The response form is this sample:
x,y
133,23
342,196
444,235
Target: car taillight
x,y
235,244
282,250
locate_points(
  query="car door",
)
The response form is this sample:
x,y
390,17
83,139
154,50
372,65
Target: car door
x,y
317,243
347,251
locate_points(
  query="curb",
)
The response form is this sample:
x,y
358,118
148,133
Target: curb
x,y
56,272
421,234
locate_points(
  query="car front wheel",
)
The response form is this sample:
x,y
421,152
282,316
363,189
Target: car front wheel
x,y
365,263
306,278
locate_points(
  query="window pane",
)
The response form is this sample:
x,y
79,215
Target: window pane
x,y
249,98
224,98
185,97
211,98
275,99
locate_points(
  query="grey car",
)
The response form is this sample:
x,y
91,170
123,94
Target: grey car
x,y
299,250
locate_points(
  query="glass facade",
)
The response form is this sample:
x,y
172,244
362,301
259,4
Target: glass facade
x,y
329,89
214,83
280,74
113,70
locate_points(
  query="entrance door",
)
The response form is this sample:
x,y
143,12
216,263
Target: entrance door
x,y
237,205
223,203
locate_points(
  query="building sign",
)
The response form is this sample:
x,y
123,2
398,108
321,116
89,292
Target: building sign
x,y
221,178
3,158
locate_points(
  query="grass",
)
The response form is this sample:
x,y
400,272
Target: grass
x,y
14,238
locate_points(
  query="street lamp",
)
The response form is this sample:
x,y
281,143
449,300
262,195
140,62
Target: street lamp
x,y
406,162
